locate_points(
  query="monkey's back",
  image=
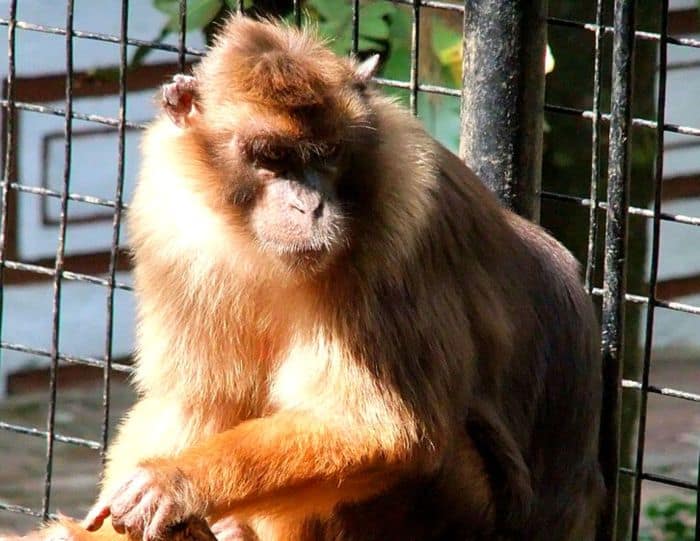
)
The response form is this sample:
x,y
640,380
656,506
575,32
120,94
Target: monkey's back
x,y
547,394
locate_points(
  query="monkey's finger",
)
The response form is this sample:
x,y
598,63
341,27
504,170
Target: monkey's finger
x,y
96,516
222,527
136,519
102,509
164,516
132,521
239,533
131,494
118,527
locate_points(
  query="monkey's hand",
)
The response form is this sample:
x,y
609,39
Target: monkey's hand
x,y
178,99
157,500
229,529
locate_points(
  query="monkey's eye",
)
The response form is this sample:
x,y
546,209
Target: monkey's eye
x,y
331,155
274,159
275,154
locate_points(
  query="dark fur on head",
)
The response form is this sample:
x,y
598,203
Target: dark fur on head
x,y
289,71
261,64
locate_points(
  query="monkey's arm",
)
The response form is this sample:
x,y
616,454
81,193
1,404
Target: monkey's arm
x,y
289,462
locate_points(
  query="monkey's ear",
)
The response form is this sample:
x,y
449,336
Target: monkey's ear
x,y
367,69
179,98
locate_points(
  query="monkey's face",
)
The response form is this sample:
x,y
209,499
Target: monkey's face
x,y
289,201
286,124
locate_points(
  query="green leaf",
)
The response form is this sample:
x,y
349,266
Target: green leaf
x,y
397,64
330,9
375,28
334,19
446,44
368,45
199,13
374,19
673,517
202,12
167,6
378,10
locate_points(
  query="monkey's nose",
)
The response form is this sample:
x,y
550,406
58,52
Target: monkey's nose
x,y
307,203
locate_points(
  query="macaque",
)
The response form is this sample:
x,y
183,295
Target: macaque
x,y
341,334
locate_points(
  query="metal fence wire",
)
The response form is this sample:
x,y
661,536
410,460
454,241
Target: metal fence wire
x,y
501,138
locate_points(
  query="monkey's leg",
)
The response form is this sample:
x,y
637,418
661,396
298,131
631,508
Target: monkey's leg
x,y
454,504
504,462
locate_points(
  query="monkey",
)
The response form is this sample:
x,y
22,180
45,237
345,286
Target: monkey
x,y
342,335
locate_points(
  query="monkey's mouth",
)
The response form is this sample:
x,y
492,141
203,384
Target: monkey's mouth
x,y
310,259
298,252
299,237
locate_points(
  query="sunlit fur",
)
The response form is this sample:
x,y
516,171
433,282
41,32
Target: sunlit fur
x,y
439,369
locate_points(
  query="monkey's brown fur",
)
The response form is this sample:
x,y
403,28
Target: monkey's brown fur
x,y
425,369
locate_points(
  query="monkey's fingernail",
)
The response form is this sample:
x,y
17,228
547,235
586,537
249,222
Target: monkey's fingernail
x,y
92,525
93,521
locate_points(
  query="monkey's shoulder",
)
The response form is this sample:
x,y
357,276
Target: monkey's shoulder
x,y
504,233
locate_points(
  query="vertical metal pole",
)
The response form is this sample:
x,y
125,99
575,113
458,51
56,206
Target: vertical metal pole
x,y
116,225
9,157
616,254
297,12
654,271
59,262
697,504
355,26
181,37
503,98
415,37
595,152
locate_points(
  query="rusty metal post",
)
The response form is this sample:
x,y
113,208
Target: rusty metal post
x,y
503,98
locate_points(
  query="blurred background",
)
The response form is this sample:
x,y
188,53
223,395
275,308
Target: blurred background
x,y
92,324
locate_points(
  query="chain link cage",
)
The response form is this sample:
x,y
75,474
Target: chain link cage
x,y
606,210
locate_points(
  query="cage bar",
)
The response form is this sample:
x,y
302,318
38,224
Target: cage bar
x,y
502,82
9,147
117,214
613,317
654,272
503,98
595,151
58,267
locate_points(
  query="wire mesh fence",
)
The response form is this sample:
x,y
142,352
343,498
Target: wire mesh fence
x,y
613,33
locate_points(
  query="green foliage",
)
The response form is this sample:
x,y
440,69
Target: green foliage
x,y
199,13
446,45
671,519
334,20
384,28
